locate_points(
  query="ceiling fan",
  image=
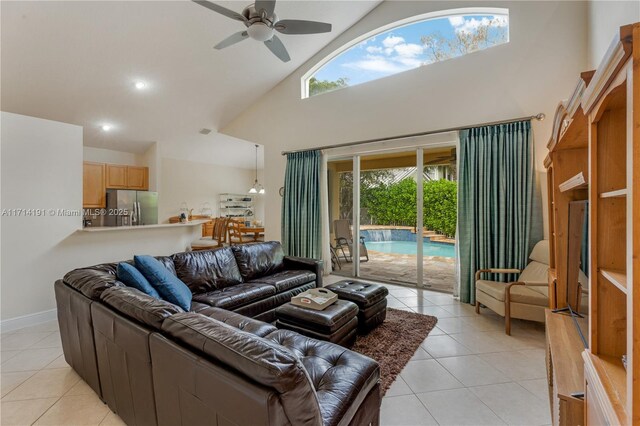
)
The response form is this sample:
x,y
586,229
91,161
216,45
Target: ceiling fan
x,y
261,22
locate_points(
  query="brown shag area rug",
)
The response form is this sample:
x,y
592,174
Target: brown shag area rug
x,y
394,342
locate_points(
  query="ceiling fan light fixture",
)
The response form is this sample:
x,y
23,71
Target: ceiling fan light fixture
x,y
260,31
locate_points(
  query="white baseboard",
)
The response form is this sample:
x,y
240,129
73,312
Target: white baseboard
x,y
12,324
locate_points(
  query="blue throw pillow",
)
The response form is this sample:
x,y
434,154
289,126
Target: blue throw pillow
x,y
170,287
131,277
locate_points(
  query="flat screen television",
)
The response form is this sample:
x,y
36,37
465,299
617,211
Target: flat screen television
x,y
578,266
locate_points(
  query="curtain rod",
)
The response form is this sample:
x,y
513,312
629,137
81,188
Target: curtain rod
x,y
539,117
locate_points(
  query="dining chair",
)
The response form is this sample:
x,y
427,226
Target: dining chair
x,y
235,234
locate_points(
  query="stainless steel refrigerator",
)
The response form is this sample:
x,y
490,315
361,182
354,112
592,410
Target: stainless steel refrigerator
x,y
126,208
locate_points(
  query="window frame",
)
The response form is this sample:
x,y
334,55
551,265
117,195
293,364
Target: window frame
x,y
465,11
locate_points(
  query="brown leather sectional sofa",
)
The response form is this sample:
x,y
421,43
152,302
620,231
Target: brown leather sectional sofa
x,y
223,362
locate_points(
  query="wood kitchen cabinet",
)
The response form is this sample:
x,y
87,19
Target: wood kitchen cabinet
x,y
138,178
116,176
93,185
127,177
98,177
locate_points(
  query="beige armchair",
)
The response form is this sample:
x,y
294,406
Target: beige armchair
x,y
525,298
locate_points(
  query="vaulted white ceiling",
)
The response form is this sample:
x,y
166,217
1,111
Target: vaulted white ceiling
x,y
78,61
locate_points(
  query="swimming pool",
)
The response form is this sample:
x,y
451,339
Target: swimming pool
x,y
410,247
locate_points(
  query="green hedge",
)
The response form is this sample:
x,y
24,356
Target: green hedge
x,y
396,204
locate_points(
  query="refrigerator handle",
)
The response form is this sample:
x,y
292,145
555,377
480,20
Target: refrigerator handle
x,y
139,214
134,217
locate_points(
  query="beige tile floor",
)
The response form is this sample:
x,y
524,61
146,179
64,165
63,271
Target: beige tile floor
x,y
467,372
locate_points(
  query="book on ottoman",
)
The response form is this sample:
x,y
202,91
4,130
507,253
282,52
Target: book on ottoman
x,y
316,298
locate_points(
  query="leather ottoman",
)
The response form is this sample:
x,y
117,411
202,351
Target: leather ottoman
x,y
337,323
370,298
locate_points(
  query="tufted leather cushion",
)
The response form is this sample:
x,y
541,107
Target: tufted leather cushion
x,y
207,270
93,280
361,293
236,296
286,280
263,360
326,321
341,378
139,306
259,259
248,325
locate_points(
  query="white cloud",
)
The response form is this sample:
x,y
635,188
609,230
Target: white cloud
x,y
391,41
374,49
462,25
409,62
456,21
409,50
377,64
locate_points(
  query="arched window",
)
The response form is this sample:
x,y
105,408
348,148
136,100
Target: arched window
x,y
407,44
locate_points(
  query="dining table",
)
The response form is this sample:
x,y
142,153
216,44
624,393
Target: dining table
x,y
255,230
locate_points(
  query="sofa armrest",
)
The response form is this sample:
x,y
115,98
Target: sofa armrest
x,y
313,265
497,271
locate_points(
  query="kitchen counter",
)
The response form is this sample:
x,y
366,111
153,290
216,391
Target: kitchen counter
x,y
198,222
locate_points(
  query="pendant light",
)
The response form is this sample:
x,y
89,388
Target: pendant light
x,y
256,188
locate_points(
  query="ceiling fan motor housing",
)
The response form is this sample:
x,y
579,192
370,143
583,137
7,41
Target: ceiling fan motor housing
x,y
259,27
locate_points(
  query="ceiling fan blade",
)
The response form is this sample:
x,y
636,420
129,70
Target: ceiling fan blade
x,y
232,39
295,26
221,10
267,5
278,49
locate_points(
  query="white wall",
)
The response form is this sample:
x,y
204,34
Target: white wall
x,y
196,183
41,167
100,155
604,21
531,74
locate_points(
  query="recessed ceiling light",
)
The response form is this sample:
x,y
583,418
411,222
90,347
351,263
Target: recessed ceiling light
x,y
141,85
106,127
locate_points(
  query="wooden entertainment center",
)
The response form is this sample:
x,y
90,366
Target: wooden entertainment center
x,y
594,155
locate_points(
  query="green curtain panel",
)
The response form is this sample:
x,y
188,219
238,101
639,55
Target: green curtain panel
x,y
301,214
495,202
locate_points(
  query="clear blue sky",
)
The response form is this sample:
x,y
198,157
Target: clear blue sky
x,y
396,50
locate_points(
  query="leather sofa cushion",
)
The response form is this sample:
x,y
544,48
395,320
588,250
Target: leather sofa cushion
x,y
93,280
235,296
139,306
248,325
285,280
207,270
339,376
519,293
259,259
260,359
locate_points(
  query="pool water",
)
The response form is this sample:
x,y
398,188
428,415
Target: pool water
x,y
410,247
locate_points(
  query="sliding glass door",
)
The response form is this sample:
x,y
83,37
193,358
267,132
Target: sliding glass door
x,y
390,218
